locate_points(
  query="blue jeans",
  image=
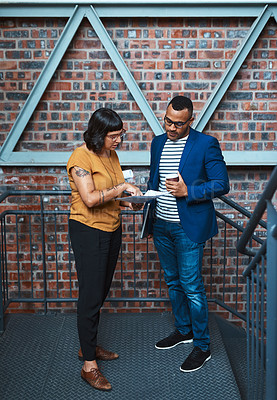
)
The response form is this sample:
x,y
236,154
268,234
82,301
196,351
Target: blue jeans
x,y
181,260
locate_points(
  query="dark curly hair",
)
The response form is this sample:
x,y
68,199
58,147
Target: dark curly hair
x,y
180,103
101,122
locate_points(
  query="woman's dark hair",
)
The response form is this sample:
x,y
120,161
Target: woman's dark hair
x,y
101,122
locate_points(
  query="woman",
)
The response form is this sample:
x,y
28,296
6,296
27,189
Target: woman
x,y
96,180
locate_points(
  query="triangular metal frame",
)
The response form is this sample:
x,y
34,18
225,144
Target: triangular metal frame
x,y
9,157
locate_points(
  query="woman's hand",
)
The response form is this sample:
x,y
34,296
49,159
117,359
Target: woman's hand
x,y
177,189
132,189
136,206
132,206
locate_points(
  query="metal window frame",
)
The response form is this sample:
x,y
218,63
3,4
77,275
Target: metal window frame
x,y
93,13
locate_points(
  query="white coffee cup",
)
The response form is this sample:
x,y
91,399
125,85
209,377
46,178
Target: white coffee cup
x,y
172,177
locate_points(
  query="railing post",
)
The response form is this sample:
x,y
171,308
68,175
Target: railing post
x,y
1,302
271,344
43,254
1,293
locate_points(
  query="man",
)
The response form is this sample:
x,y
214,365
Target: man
x,y
183,220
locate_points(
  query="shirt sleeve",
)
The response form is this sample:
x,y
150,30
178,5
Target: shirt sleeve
x,y
80,158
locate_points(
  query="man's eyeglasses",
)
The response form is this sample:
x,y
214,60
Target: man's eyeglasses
x,y
177,124
121,135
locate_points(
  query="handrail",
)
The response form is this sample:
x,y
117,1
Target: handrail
x,y
4,195
235,225
224,199
261,252
8,193
241,209
257,214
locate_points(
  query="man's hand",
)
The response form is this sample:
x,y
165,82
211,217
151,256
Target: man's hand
x,y
177,189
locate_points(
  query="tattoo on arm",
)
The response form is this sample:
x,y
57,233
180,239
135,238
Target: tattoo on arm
x,y
115,187
80,172
118,186
101,197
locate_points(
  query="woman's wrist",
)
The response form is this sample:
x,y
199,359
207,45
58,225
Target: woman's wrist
x,y
120,188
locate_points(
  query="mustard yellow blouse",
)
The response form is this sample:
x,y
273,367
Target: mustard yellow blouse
x,y
106,172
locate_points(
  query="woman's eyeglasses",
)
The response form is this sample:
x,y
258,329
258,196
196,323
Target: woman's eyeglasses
x,y
178,124
121,135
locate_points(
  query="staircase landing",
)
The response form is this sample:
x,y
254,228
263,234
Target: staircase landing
x,y
38,360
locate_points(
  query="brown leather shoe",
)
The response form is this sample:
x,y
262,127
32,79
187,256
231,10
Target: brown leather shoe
x,y
105,355
101,354
96,379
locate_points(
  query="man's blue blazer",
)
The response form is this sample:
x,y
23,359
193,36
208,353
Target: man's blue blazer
x,y
204,172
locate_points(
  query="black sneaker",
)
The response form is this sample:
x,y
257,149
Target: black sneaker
x,y
195,360
175,338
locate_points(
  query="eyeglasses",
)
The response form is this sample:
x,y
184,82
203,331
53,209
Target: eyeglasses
x,y
177,124
121,135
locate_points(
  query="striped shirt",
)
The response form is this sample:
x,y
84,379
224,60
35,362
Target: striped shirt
x,y
170,159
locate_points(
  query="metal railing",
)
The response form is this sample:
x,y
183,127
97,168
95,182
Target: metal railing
x,y
37,268
37,262
261,275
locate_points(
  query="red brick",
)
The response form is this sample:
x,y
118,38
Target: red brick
x,y
87,44
6,65
59,86
51,96
79,76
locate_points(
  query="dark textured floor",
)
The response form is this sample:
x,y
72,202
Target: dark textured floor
x,y
38,360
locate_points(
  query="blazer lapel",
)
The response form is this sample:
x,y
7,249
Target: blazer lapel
x,y
160,146
189,145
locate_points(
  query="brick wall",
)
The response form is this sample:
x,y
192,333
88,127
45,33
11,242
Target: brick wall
x,y
25,249
167,56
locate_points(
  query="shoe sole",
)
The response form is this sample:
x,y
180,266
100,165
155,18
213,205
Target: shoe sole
x,y
97,358
195,369
171,347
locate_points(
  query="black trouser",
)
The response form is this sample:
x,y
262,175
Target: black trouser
x,y
96,254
